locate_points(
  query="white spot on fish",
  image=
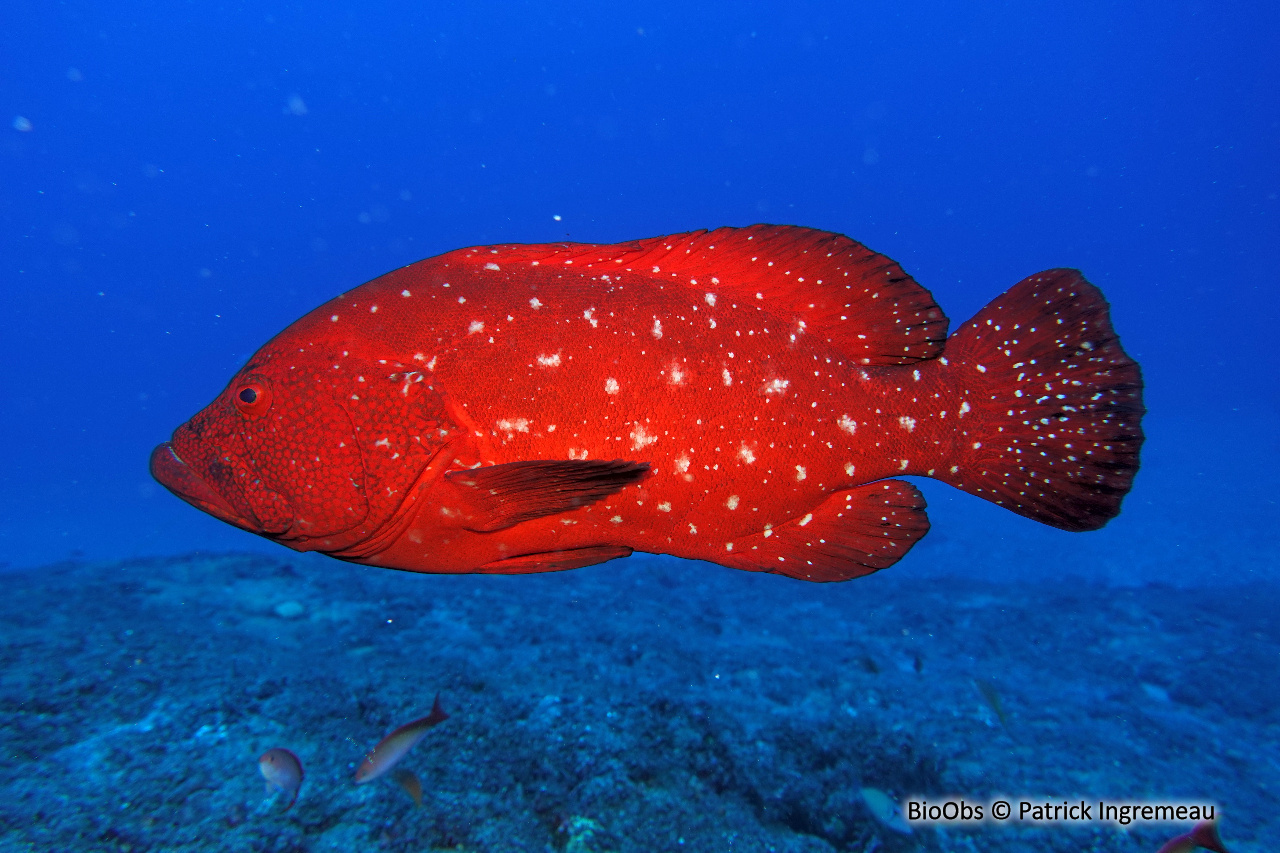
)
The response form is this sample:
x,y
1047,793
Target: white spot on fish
x,y
535,303
808,518
727,377
405,293
732,503
549,360
611,385
776,386
964,408
410,378
657,329
907,423
801,473
519,424
513,425
711,299
847,424
665,506
848,468
640,438
491,266
476,326
682,463
745,454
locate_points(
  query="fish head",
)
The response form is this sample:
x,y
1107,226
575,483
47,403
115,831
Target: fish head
x,y
281,768
315,445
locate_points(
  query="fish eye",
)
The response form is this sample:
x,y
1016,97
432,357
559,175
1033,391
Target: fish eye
x,y
252,397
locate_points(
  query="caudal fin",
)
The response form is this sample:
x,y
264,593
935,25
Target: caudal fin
x,y
1051,404
1205,834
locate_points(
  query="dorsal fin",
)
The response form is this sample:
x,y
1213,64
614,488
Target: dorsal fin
x,y
821,283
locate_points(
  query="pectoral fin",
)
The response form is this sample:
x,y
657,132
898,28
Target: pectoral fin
x,y
501,496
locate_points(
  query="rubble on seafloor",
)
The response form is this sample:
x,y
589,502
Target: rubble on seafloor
x,y
643,705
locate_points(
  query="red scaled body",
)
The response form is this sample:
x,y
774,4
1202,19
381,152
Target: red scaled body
x,y
739,396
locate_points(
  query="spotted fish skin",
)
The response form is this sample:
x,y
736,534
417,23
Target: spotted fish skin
x,y
742,396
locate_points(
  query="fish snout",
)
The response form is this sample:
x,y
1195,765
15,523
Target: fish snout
x,y
176,476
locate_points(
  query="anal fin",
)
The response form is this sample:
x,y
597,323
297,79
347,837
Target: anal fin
x,y
851,534
555,561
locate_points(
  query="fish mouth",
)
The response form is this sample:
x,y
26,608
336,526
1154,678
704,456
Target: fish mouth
x,y
176,476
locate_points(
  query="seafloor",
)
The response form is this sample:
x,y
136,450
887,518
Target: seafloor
x,y
643,705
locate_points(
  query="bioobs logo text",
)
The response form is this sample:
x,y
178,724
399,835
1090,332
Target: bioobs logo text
x,y
1042,811
949,810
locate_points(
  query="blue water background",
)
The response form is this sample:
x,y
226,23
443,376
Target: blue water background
x,y
179,181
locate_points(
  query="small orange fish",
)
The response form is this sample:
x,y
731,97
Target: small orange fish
x,y
1204,834
283,772
409,781
396,745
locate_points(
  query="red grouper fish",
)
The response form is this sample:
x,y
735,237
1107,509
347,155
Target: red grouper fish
x,y
741,396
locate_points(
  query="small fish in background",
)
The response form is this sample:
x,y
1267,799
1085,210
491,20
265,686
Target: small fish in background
x,y
409,781
396,745
885,810
1203,835
992,697
283,772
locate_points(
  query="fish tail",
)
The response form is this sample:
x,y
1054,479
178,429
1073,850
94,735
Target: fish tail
x,y
1206,835
1049,404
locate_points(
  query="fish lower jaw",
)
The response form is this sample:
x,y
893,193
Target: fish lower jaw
x,y
175,475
